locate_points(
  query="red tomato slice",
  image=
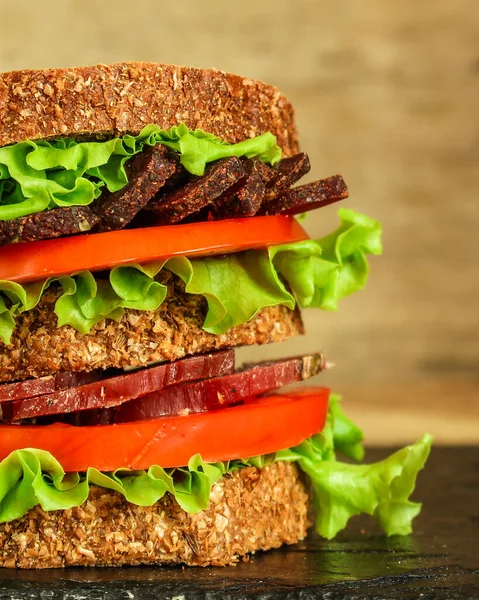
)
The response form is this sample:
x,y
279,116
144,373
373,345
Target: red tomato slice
x,y
261,426
31,261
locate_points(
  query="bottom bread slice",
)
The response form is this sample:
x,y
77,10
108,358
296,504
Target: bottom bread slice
x,y
250,509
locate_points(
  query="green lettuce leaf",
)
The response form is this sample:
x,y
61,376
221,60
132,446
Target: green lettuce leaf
x,y
322,272
236,286
33,477
40,175
347,436
381,489
318,272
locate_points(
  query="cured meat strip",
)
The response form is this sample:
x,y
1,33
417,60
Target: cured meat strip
x,y
27,389
245,197
259,184
116,390
199,193
286,173
307,197
47,385
147,173
213,393
48,224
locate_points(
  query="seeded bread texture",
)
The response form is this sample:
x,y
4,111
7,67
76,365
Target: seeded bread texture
x,y
249,510
174,330
110,100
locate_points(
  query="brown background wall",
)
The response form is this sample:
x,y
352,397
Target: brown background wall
x,y
387,94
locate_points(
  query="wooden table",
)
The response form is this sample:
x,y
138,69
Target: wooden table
x,y
440,561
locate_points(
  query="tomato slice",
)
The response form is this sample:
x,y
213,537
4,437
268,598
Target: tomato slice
x,y
261,426
30,261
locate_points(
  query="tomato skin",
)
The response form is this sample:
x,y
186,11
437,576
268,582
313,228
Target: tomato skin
x,y
260,426
30,261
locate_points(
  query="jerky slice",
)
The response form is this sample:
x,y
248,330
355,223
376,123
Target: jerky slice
x,y
147,173
200,192
286,173
244,199
48,224
307,197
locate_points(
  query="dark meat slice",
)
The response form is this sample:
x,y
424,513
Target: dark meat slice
x,y
70,379
307,197
48,224
147,173
264,171
27,389
116,390
201,192
47,385
286,173
305,366
245,197
260,184
211,394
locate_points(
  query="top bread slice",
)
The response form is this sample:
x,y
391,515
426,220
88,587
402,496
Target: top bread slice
x,y
111,100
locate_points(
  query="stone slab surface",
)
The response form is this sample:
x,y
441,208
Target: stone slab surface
x,y
440,561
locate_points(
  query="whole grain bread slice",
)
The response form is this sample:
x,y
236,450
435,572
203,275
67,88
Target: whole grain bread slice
x,y
39,347
110,100
250,509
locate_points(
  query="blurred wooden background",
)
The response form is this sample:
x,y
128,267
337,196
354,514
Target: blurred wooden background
x,y
386,93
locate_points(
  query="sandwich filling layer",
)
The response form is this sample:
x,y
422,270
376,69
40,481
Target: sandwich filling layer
x,y
314,273
46,174
342,490
64,187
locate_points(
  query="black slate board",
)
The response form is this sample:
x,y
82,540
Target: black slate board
x,y
440,561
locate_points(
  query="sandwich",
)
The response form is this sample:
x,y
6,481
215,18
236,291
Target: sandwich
x,y
148,227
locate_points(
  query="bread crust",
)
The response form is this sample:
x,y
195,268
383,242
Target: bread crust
x,y
110,100
249,510
39,347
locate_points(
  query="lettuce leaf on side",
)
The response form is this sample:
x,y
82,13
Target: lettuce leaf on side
x,y
44,174
236,286
347,436
33,477
382,489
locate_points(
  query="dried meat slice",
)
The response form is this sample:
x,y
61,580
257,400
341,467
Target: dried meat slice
x,y
113,391
307,197
264,171
209,393
286,173
245,197
199,193
48,224
29,388
220,392
147,174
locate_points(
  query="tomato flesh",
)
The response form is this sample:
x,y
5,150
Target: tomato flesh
x,y
30,261
261,426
